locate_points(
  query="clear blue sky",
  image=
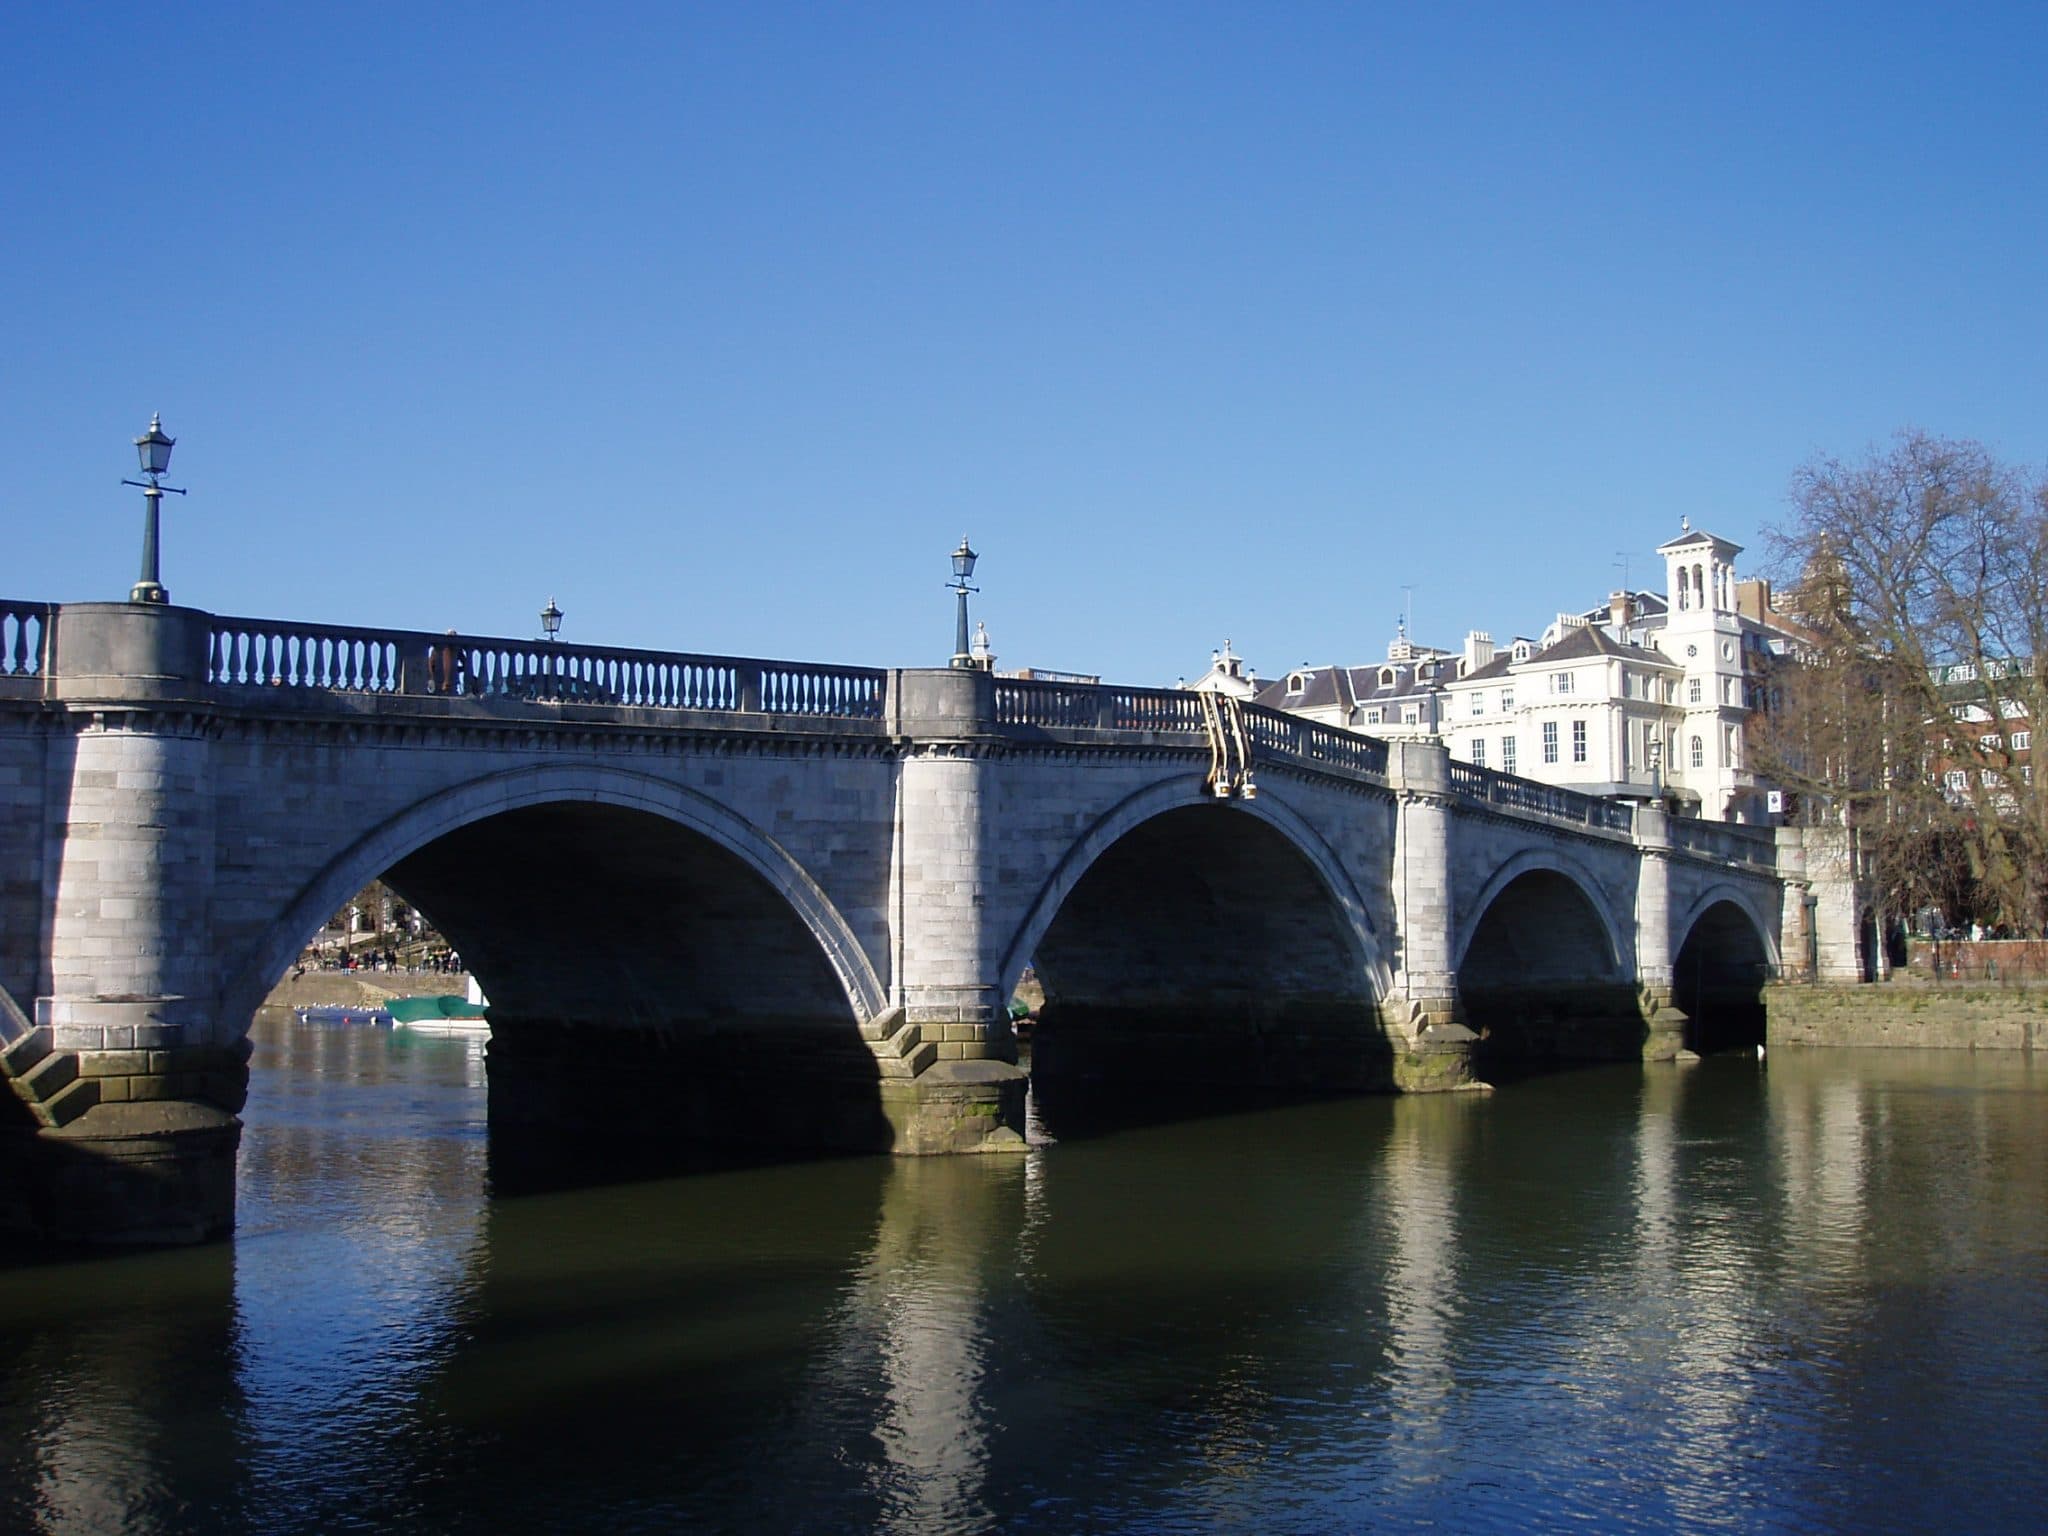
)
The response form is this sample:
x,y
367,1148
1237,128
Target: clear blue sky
x,y
721,324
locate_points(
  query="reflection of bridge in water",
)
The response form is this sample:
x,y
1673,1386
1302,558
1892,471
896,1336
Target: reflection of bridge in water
x,y
784,904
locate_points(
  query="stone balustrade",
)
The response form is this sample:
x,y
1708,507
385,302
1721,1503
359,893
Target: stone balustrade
x,y
1730,841
262,653
1518,794
24,629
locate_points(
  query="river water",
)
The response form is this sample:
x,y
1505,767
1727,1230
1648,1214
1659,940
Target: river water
x,y
1804,1296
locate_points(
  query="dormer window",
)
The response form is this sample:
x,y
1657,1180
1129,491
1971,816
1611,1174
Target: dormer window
x,y
1521,650
1386,677
1296,683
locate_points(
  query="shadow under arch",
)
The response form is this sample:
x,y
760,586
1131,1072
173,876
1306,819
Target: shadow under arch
x,y
660,972
449,810
1720,968
1543,971
1203,943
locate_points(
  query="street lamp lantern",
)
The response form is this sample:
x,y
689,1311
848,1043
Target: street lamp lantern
x,y
153,452
153,448
963,568
1653,749
551,620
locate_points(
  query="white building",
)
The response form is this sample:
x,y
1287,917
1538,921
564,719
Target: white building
x,y
1399,697
1644,697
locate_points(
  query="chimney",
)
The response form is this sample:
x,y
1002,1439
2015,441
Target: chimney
x,y
1478,650
1621,608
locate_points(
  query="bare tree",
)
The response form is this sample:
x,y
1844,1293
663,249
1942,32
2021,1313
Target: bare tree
x,y
1921,574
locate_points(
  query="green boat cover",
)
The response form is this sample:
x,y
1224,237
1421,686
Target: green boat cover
x,y
434,1005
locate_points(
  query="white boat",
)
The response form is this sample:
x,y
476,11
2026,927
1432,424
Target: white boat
x,y
442,1013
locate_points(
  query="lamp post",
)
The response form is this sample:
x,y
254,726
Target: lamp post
x,y
154,451
963,567
1654,750
551,621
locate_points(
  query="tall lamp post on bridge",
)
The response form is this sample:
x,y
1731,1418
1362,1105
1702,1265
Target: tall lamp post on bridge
x,y
963,568
1653,749
154,450
551,627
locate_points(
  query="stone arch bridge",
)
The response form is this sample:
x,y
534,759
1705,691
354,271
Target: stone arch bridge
x,y
782,903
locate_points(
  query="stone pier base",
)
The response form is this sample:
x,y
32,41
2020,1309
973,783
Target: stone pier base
x,y
158,1172
958,1106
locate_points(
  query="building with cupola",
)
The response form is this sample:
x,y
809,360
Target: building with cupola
x,y
1647,696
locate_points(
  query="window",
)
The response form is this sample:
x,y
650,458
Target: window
x,y
1699,753
1692,690
1990,741
1550,741
1372,717
1729,753
1507,700
1409,717
1727,690
1478,702
1478,751
1578,741
1296,682
1560,682
2022,740
1956,780
1507,754
1670,690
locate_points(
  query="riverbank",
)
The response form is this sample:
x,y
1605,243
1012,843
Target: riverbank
x,y
360,989
1908,1013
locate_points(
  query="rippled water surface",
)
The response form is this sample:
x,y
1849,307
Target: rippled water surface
x,y
1807,1297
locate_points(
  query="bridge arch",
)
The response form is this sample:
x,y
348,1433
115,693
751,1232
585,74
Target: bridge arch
x,y
1543,971
1568,873
1725,949
449,811
1205,943
1187,791
1743,900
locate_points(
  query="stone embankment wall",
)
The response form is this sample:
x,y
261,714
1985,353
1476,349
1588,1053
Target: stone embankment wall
x,y
359,989
1902,1013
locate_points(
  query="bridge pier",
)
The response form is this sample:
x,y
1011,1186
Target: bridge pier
x,y
1426,1019
1664,1023
963,1090
132,1097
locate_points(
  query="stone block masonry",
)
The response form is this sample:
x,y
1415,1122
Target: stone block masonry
x,y
1908,1015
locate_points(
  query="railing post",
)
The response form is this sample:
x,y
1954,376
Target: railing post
x,y
750,687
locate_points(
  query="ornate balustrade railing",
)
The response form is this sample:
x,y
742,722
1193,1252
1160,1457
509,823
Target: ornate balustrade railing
x,y
263,653
1504,789
1057,706
1728,840
1085,706
1274,730
24,634
1154,709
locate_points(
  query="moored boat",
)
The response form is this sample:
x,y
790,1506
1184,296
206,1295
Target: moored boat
x,y
442,1013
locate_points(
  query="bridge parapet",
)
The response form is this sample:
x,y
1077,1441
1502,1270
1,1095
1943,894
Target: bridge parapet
x,y
1727,841
1548,800
24,647
266,653
1055,706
